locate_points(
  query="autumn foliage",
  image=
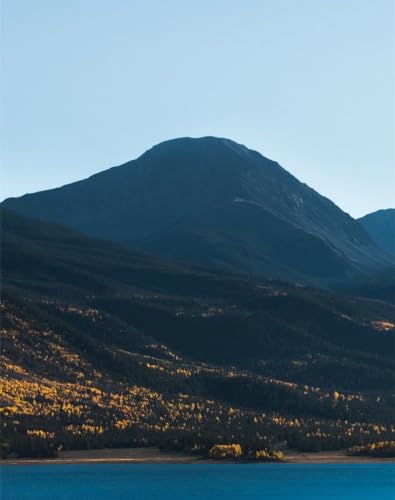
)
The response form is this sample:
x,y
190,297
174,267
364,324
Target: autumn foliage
x,y
222,451
270,456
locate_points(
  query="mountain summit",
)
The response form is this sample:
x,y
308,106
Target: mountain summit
x,y
216,203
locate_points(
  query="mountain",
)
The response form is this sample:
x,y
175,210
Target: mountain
x,y
381,227
165,300
215,203
102,346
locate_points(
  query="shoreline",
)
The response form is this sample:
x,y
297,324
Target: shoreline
x,y
156,456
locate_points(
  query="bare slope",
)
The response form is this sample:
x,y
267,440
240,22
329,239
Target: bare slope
x,y
216,203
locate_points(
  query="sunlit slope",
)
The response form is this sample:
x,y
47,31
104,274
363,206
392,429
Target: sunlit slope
x,y
62,388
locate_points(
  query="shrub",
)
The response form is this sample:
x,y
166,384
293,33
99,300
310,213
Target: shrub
x,y
270,456
226,451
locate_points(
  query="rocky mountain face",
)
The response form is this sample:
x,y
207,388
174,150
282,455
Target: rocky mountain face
x,y
215,203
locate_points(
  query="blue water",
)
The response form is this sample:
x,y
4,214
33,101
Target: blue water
x,y
198,481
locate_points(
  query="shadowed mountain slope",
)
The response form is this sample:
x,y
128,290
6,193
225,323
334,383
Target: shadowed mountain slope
x,y
381,227
215,203
204,315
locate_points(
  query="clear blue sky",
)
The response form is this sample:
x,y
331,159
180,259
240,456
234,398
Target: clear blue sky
x,y
89,84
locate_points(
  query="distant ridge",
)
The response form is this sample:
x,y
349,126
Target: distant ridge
x,y
381,227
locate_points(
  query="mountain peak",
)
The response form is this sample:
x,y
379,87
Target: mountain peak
x,y
214,202
204,141
203,145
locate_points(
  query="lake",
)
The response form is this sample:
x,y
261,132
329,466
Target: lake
x,y
198,481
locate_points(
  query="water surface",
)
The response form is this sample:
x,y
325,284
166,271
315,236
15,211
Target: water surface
x,y
198,481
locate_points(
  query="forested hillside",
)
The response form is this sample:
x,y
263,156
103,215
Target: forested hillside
x,y
103,347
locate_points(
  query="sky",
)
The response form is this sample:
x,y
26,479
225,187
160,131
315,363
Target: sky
x,y
89,84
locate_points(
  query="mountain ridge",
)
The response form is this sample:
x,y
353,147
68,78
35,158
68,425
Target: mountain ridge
x,y
381,227
214,202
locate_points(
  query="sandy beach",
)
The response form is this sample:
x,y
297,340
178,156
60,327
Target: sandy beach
x,y
156,456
